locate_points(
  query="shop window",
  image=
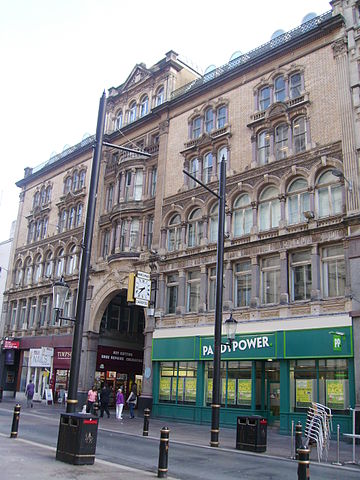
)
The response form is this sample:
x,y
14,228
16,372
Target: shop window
x,y
178,382
193,291
242,284
333,271
172,286
300,276
270,280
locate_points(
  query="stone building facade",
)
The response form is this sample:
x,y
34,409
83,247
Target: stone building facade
x,y
284,117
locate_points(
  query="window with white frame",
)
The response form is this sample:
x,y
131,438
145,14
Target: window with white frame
x,y
264,98
279,89
333,271
118,120
207,170
174,233
242,283
213,223
299,134
172,286
270,280
138,186
134,234
132,112
193,291
329,195
298,201
281,141
48,268
159,96
211,288
144,105
37,268
72,261
242,215
196,127
195,228
105,244
269,209
60,264
209,120
263,147
300,275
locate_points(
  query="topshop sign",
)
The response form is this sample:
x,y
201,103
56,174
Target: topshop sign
x,y
254,346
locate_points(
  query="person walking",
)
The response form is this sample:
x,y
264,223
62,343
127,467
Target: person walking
x,y
104,400
119,404
91,400
131,401
29,392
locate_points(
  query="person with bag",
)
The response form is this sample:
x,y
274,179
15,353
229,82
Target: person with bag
x,y
119,404
131,401
92,398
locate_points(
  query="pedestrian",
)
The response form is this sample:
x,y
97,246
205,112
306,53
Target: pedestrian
x,y
119,404
131,401
104,400
91,400
29,392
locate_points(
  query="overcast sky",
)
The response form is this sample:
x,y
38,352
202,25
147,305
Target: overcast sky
x,y
57,57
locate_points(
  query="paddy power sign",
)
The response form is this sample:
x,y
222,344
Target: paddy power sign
x,y
245,346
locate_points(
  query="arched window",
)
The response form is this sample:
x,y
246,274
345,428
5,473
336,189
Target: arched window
x,y
298,201
144,105
132,112
209,120
36,199
269,209
174,233
264,98
263,147
213,223
82,179
31,232
221,117
195,228
242,216
48,194
299,134
71,222
28,272
78,217
118,120
194,169
38,227
37,268
48,268
18,273
329,195
134,234
295,85
279,89
75,181
159,96
60,264
44,228
67,184
207,167
42,196
106,244
109,197
71,261
62,220
196,127
281,141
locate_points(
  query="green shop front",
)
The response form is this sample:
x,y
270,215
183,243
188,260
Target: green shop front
x,y
273,374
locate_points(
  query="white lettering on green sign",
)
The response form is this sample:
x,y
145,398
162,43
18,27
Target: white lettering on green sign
x,y
243,344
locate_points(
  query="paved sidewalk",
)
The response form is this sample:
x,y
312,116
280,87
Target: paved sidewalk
x,y
194,434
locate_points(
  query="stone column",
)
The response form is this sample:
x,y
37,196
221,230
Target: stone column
x,y
203,289
228,291
145,399
315,273
180,309
255,282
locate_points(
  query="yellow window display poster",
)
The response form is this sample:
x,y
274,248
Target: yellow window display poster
x,y
231,391
190,390
209,390
304,393
244,391
335,394
164,389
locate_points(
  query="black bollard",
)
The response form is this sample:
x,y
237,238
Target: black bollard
x,y
15,422
163,452
304,464
146,422
298,439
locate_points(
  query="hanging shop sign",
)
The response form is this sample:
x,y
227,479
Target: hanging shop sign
x,y
41,357
62,358
11,344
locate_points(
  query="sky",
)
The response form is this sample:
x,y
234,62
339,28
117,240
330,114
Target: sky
x,y
58,56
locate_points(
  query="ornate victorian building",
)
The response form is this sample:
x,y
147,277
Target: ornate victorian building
x,y
284,117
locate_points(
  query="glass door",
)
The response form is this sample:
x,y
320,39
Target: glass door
x,y
272,375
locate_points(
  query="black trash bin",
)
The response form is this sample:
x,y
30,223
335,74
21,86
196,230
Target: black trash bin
x,y
77,438
251,433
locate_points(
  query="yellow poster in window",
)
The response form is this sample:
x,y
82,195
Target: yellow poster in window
x,y
209,390
335,394
231,391
244,391
304,393
190,390
164,388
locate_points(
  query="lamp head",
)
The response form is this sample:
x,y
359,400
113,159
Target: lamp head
x,y
230,327
60,293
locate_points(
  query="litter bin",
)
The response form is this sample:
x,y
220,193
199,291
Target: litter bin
x,y
77,438
251,433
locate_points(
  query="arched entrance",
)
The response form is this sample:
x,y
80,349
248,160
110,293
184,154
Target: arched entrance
x,y
120,351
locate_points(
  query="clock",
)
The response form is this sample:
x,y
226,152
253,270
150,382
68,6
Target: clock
x,y
142,288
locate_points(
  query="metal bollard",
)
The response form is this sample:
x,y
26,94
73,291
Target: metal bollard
x,y
163,452
298,439
292,455
338,447
146,422
304,464
15,422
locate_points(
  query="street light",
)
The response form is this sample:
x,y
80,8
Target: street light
x,y
338,173
60,293
230,328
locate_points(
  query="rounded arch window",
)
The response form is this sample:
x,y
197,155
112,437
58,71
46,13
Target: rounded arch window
x,y
279,89
60,263
48,194
28,272
269,209
209,120
118,120
328,195
299,134
48,268
214,222
298,201
37,268
36,199
263,147
132,112
242,216
67,184
18,273
159,97
174,233
75,181
195,228
144,105
207,167
82,179
72,261
281,141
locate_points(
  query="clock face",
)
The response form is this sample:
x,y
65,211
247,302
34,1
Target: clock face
x,y
142,288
